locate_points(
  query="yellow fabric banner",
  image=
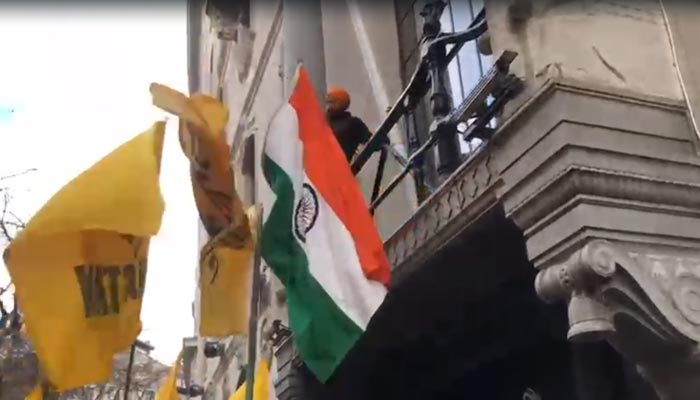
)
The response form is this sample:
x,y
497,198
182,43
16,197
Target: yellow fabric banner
x,y
79,266
225,270
261,386
168,391
35,394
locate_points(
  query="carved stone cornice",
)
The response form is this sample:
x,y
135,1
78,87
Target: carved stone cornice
x,y
581,180
466,195
646,304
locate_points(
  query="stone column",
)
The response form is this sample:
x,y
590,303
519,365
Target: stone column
x,y
302,41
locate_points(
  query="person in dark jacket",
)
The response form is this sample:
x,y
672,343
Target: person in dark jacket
x,y
349,130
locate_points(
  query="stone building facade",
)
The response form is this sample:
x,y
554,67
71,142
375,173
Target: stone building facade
x,y
560,256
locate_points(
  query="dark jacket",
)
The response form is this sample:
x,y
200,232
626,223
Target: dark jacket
x,y
349,130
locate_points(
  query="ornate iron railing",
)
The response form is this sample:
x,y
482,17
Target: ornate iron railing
x,y
428,78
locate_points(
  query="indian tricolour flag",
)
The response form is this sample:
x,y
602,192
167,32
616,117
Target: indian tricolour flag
x,y
318,236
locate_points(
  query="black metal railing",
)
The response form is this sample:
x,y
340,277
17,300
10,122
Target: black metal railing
x,y
428,78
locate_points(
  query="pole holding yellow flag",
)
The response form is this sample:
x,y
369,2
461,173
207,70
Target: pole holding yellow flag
x,y
254,307
79,266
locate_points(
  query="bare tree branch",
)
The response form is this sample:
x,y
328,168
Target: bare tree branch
x,y
17,174
10,223
3,218
5,289
146,375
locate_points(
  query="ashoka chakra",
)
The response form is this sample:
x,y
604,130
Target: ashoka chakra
x,y
306,212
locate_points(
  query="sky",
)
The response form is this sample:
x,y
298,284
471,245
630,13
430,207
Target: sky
x,y
73,86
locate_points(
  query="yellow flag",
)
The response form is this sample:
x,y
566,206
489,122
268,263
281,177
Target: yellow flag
x,y
35,394
261,385
168,391
79,266
225,271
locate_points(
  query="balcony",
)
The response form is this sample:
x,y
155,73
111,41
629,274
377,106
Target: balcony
x,y
468,184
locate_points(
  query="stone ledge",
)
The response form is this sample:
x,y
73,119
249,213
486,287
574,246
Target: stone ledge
x,y
577,180
532,100
579,160
470,192
602,218
489,178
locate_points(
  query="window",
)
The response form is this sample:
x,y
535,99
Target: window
x,y
469,65
463,72
226,16
229,11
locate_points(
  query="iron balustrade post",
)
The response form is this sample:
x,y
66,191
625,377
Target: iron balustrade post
x,y
378,177
435,54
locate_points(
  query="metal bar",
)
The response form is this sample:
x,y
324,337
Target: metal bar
x,y
254,305
397,179
143,345
472,103
128,371
483,88
458,46
417,88
476,29
483,119
397,156
379,175
397,110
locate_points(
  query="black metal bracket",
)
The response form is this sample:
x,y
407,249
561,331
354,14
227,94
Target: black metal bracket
x,y
279,332
191,391
214,349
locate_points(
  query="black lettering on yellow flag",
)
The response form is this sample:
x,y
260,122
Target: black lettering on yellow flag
x,y
105,288
79,266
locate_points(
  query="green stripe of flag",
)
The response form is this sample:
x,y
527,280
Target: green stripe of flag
x,y
322,332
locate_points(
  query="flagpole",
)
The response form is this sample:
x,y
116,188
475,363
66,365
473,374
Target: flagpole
x,y
254,308
128,371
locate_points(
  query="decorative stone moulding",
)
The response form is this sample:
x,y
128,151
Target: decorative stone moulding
x,y
646,303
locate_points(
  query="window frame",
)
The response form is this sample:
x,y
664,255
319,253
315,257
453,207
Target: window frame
x,y
408,23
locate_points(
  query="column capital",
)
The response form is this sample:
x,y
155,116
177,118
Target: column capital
x,y
645,301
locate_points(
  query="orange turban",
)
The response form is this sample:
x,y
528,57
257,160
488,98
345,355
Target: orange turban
x,y
338,99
